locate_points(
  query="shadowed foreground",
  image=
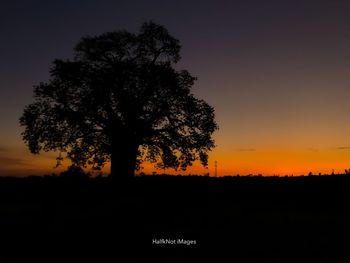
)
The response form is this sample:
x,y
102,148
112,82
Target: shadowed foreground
x,y
252,219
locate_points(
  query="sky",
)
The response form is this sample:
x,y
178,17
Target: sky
x,y
276,72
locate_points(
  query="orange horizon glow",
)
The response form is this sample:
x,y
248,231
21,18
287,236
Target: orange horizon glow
x,y
267,162
290,155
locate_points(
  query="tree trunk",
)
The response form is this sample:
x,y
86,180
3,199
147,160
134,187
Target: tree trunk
x,y
123,159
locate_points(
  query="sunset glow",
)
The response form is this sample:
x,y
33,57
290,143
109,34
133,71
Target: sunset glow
x,y
276,74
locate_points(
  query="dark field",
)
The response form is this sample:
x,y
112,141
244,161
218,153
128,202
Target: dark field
x,y
239,219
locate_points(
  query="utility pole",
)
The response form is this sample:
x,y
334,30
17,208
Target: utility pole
x,y
216,168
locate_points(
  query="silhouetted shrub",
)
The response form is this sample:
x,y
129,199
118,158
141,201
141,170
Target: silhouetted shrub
x,y
74,171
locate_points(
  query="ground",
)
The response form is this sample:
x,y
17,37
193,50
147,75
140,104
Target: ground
x,y
176,219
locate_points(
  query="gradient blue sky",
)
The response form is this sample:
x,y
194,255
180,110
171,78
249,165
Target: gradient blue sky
x,y
277,73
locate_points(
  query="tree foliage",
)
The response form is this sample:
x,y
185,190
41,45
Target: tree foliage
x,y
120,99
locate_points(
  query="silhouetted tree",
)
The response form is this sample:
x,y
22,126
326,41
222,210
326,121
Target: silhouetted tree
x,y
121,100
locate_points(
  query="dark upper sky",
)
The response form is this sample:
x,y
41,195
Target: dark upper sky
x,y
277,72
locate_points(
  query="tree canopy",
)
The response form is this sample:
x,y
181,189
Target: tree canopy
x,y
120,99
